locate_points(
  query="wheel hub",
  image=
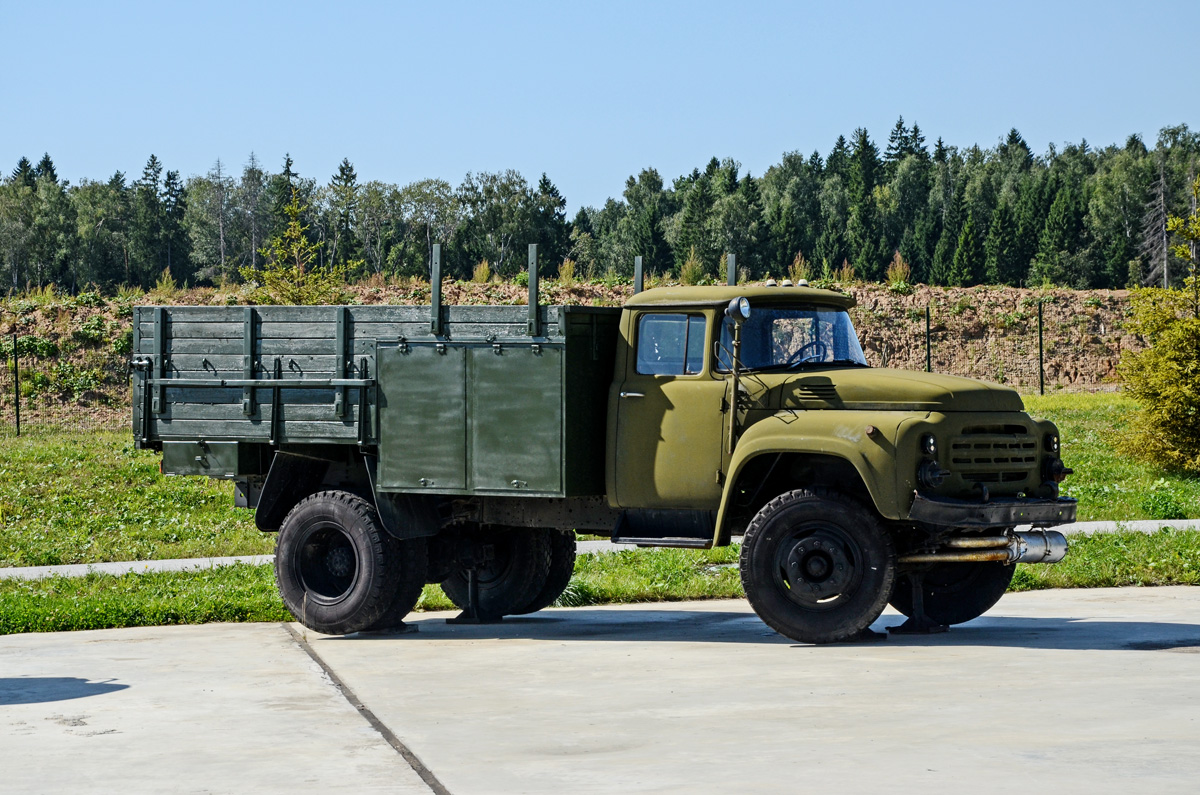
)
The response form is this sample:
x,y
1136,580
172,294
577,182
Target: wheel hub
x,y
816,568
327,565
340,562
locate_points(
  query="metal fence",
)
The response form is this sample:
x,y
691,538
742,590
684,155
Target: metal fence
x,y
1034,343
33,396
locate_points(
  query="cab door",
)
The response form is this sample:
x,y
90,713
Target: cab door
x,y
669,415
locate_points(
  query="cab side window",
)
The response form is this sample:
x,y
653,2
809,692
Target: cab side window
x,y
670,344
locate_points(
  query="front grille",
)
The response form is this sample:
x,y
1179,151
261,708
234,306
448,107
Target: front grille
x,y
994,454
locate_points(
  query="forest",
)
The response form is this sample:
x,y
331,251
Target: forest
x,y
1075,216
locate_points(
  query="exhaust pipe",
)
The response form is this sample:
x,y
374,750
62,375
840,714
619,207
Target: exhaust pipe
x,y
1035,546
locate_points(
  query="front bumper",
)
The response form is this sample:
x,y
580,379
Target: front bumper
x,y
996,512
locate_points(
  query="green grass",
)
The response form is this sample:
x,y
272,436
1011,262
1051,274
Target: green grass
x,y
70,497
1107,483
247,593
1108,560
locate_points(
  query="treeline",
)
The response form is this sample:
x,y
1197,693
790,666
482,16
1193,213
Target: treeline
x,y
1080,217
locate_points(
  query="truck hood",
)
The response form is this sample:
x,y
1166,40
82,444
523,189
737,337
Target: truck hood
x,y
880,389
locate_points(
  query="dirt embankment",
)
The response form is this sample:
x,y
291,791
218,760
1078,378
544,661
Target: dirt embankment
x,y
74,351
992,333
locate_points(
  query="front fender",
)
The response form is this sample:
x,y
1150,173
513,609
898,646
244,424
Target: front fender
x,y
842,434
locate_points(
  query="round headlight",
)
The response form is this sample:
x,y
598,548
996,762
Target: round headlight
x,y
1052,443
738,310
928,444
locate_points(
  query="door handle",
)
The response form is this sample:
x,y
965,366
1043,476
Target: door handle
x,y
632,394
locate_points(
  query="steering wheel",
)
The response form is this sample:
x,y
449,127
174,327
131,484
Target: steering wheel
x,y
815,351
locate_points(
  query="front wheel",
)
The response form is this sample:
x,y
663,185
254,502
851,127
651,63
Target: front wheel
x,y
817,567
954,593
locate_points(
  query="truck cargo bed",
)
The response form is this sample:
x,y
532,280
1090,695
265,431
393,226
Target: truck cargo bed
x,y
482,406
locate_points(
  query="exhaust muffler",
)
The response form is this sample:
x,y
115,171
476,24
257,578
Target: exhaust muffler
x,y
1033,546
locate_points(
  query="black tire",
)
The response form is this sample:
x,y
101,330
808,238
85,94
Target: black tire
x,y
955,592
333,563
817,567
512,578
410,559
562,566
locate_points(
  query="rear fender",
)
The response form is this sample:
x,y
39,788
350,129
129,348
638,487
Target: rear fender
x,y
290,479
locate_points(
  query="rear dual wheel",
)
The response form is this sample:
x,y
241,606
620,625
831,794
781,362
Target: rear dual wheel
x,y
817,567
521,569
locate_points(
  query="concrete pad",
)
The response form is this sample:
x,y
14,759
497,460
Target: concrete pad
x,y
1054,691
214,708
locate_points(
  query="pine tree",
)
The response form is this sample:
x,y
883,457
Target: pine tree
x,y
550,224
694,224
1016,151
175,238
898,147
45,168
643,224
864,228
1062,225
968,256
1029,222
940,152
343,203
147,258
1002,266
916,143
838,162
24,173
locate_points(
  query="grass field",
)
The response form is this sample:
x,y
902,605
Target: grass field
x,y
1108,484
84,498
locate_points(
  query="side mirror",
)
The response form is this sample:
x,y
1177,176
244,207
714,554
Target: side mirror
x,y
738,310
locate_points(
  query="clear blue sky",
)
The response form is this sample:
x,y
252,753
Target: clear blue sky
x,y
587,92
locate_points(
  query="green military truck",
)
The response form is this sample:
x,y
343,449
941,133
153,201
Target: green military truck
x,y
394,446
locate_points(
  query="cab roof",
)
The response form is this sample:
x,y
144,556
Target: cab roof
x,y
756,293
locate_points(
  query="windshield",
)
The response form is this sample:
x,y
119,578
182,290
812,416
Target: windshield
x,y
793,336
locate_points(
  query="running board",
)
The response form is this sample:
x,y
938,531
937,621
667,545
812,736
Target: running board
x,y
666,528
690,543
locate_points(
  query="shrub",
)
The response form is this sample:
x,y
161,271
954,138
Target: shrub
x,y
1165,379
692,269
566,273
76,380
93,331
166,288
844,274
122,344
800,269
899,275
482,273
89,298
31,345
